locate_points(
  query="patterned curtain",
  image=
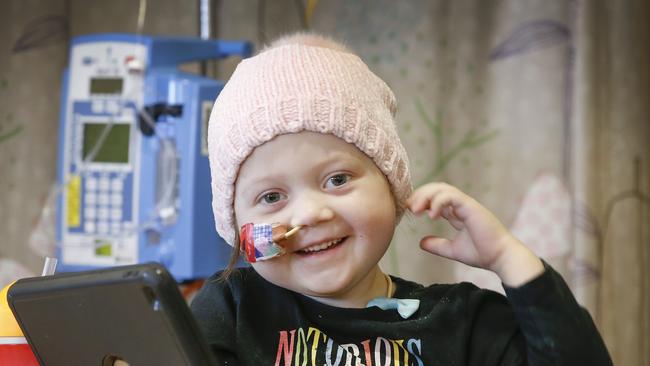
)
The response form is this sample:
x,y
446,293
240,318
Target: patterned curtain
x,y
538,109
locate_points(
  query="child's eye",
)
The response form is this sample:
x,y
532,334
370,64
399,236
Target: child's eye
x,y
271,198
337,180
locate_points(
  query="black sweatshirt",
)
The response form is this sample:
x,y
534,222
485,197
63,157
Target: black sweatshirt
x,y
249,321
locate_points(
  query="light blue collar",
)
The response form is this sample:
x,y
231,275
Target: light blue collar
x,y
405,307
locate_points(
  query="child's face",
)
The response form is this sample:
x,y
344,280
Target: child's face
x,y
338,193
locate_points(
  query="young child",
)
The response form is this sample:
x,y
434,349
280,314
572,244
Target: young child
x,y
303,136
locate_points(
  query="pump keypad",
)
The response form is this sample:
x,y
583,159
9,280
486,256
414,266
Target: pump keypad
x,y
103,204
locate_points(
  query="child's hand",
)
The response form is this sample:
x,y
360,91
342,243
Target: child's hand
x,y
480,241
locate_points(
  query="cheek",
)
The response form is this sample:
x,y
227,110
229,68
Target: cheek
x,y
372,216
244,215
376,204
238,210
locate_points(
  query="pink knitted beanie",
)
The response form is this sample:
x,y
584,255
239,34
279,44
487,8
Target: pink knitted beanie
x,y
295,88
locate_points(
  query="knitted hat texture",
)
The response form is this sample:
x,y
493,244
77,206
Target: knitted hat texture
x,y
296,88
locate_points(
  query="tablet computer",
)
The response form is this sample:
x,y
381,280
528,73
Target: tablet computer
x,y
130,315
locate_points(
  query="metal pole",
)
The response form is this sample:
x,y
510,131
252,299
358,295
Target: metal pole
x,y
205,27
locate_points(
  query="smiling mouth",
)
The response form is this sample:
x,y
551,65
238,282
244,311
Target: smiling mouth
x,y
314,249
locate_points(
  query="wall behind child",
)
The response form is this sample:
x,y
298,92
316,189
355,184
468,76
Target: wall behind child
x,y
539,109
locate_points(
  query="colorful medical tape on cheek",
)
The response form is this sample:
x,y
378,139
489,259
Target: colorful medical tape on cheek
x,y
256,240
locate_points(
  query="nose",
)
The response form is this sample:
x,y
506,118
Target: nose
x,y
311,209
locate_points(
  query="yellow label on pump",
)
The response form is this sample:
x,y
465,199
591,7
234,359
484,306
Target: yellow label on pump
x,y
8,325
74,201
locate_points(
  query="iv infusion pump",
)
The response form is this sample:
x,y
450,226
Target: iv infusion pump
x,y
133,172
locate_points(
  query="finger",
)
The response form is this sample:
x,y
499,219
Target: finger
x,y
439,246
458,201
449,214
417,201
420,199
439,203
419,196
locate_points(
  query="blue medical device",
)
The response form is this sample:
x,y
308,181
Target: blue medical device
x,y
133,169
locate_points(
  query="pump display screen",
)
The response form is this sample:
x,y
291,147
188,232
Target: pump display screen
x,y
114,149
106,85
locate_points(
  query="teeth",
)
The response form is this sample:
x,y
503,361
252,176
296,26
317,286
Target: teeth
x,y
323,246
